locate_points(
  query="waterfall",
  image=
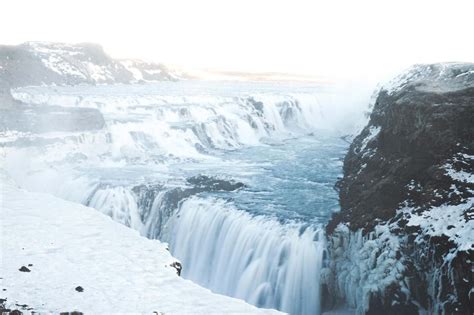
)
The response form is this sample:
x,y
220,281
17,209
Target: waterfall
x,y
256,258
229,251
137,170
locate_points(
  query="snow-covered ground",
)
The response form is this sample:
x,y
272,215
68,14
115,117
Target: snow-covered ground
x,y
66,245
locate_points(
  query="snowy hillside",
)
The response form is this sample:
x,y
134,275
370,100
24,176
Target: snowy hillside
x,y
60,256
37,63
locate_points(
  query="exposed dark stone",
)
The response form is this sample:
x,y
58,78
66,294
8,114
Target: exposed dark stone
x,y
419,131
383,305
177,265
4,310
79,289
399,160
214,184
24,269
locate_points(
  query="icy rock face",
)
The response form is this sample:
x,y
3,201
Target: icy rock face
x,y
407,199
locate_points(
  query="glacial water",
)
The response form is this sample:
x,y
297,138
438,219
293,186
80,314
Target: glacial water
x,y
238,178
264,243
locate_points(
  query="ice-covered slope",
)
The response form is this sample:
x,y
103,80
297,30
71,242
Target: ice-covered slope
x,y
66,246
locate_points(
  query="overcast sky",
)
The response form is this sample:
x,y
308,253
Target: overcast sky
x,y
328,38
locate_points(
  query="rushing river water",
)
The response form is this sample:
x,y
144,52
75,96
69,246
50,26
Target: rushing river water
x,y
238,178
264,243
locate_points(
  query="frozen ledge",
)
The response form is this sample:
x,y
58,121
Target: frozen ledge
x,y
67,245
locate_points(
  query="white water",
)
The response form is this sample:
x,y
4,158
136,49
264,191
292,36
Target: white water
x,y
118,203
263,244
252,258
255,258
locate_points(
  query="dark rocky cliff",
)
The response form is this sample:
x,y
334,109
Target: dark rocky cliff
x,y
408,186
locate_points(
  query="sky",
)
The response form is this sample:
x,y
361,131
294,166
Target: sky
x,y
343,39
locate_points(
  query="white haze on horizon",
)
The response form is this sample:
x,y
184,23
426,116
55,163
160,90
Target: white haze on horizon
x,y
364,40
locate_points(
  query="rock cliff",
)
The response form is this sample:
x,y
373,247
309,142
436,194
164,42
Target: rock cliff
x,y
403,241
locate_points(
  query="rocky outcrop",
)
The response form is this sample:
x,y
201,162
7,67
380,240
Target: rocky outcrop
x,y
403,239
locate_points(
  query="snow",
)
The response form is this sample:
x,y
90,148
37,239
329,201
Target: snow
x,y
448,220
373,133
440,77
465,73
130,66
60,66
70,245
405,77
460,175
98,73
153,71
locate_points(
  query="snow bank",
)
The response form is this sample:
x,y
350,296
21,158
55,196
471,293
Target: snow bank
x,y
66,246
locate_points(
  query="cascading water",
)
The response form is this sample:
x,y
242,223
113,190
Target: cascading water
x,y
251,227
253,258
